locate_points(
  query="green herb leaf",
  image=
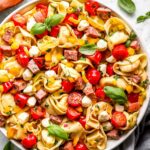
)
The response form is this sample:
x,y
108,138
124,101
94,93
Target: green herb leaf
x,y
116,94
148,14
88,49
57,131
83,58
128,43
132,36
141,19
38,28
127,5
8,146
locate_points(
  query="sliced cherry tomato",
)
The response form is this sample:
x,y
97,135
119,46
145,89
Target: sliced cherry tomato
x,y
120,52
91,7
78,33
72,114
39,61
82,120
38,112
110,70
81,146
18,20
21,99
93,76
22,48
7,86
1,57
118,119
74,99
29,141
67,86
133,107
100,93
96,57
133,97
54,31
42,8
55,68
40,36
67,19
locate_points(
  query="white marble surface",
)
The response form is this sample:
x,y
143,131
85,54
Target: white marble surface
x,y
143,30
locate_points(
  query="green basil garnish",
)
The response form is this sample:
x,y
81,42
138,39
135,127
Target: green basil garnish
x,y
116,94
38,28
127,5
57,131
143,18
8,146
88,49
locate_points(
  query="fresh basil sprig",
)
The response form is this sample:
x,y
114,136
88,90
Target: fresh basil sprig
x,y
57,131
127,5
88,49
143,18
49,22
116,94
8,146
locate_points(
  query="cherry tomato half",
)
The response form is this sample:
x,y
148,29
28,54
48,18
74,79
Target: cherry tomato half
x,y
133,107
42,8
93,76
21,99
91,7
78,33
118,119
55,68
67,19
74,99
82,120
18,20
40,36
81,146
7,86
96,57
39,61
100,93
29,141
110,70
54,31
37,112
133,97
67,86
120,52
72,114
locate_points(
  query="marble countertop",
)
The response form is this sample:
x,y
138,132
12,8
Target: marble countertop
x,y
142,29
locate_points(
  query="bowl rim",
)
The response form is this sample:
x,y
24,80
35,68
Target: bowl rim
x,y
111,144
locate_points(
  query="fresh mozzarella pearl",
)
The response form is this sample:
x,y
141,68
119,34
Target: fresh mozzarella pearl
x,y
27,75
64,32
34,51
119,108
107,126
102,68
103,116
86,101
102,45
28,89
31,101
45,122
83,25
111,59
65,4
23,117
84,37
50,73
31,22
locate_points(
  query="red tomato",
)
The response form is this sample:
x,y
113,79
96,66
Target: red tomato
x,y
72,114
40,36
93,76
42,8
67,86
82,120
1,57
74,99
55,68
22,48
133,97
22,58
91,7
110,70
78,33
18,20
120,52
7,86
54,31
81,146
37,112
118,119
29,141
39,61
67,19
133,107
21,99
100,93
96,57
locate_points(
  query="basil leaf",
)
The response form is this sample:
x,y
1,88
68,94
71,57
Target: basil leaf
x,y
116,94
148,14
38,28
127,5
141,19
53,20
88,49
8,146
57,131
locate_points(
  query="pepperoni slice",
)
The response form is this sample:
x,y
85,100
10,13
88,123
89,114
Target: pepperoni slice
x,y
74,99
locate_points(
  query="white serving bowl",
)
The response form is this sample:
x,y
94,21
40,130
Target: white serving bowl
x,y
111,143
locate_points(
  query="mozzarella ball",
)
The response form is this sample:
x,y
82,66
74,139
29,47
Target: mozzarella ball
x,y
28,89
23,117
31,101
50,73
102,68
103,116
102,45
119,108
31,22
86,101
111,59
107,126
34,51
27,75
83,25
45,122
